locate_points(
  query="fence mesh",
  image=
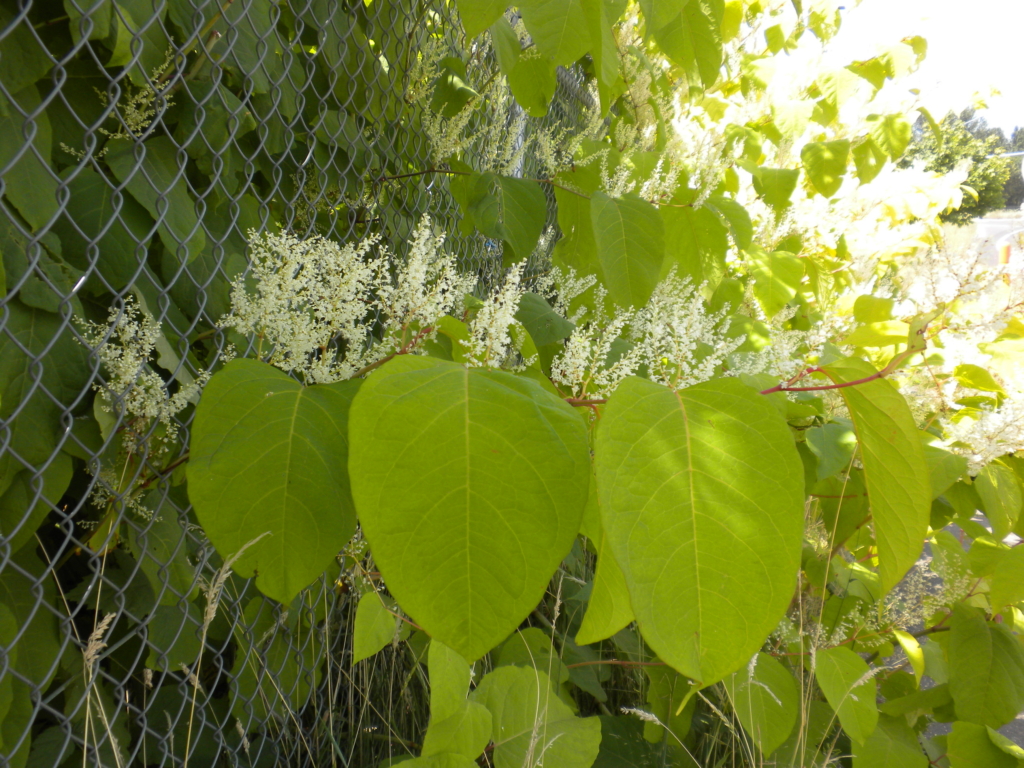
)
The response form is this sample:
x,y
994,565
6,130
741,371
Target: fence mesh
x,y
140,142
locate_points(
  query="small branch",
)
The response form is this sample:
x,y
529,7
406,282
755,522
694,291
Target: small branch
x,y
372,366
577,402
895,363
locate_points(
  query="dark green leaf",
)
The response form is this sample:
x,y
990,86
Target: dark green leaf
x,y
29,183
695,243
986,669
630,239
542,322
157,181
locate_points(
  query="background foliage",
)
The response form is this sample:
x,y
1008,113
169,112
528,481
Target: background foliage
x,y
643,454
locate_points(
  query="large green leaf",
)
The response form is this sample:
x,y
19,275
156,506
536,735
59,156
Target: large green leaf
x,y
766,701
161,550
630,240
157,181
524,211
696,242
702,500
825,164
986,669
93,208
269,455
470,487
558,28
603,48
24,60
891,745
844,678
895,469
531,726
29,184
577,247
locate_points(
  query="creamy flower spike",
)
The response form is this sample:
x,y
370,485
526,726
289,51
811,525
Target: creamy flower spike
x,y
327,311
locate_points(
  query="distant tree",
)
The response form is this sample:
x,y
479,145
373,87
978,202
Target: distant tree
x,y
965,138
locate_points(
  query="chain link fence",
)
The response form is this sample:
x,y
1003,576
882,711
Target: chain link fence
x,y
140,142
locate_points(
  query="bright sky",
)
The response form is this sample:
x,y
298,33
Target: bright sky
x,y
973,46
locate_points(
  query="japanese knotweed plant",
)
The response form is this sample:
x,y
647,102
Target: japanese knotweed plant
x,y
655,485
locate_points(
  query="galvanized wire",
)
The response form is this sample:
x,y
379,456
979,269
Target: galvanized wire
x,y
140,143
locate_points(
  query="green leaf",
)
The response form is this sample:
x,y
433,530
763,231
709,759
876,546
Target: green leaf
x,y
171,635
608,609
530,647
533,727
986,669
37,391
686,480
944,468
30,498
117,223
161,549
24,60
1008,580
506,45
893,744
850,691
776,186
558,28
267,454
869,159
88,19
892,134
976,377
692,39
777,278
1001,497
8,635
630,240
29,184
533,83
544,325
834,445
737,217
766,701
912,648
825,165
376,626
895,469
623,744
969,746
695,243
524,211
659,13
157,181
478,15
444,446
577,247
603,48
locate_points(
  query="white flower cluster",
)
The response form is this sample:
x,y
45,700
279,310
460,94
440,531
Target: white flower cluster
x,y
673,337
490,331
317,304
984,436
125,346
